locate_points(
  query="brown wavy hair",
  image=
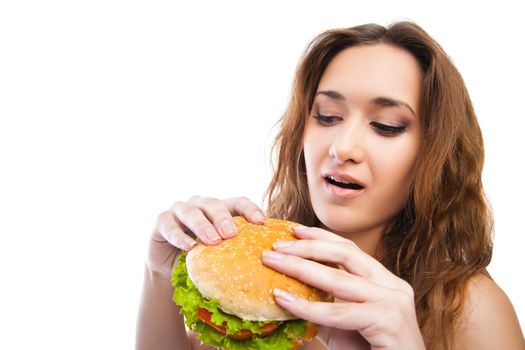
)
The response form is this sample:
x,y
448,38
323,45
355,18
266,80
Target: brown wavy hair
x,y
443,234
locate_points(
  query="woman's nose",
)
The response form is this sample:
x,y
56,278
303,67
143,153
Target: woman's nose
x,y
348,144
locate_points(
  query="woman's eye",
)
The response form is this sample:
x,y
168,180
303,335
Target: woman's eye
x,y
388,130
326,119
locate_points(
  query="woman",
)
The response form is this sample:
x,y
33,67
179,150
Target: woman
x,y
380,157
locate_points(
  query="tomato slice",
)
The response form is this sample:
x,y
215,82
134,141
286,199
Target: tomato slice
x,y
311,331
296,344
243,334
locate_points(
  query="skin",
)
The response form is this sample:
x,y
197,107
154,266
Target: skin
x,y
374,309
353,143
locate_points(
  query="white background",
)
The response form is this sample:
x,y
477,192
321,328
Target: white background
x,y
112,110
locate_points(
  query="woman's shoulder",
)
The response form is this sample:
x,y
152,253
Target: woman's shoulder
x,y
489,320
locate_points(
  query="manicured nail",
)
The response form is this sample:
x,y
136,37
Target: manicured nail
x,y
259,216
212,235
284,296
283,244
227,228
270,254
300,228
190,243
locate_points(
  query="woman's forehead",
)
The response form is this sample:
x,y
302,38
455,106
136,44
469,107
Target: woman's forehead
x,y
371,71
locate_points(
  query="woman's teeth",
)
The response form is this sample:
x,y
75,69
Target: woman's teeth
x,y
343,184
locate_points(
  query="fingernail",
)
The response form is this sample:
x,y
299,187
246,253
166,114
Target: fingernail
x,y
270,254
259,216
190,243
299,228
283,244
284,296
212,235
227,228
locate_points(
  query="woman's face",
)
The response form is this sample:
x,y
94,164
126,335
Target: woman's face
x,y
362,138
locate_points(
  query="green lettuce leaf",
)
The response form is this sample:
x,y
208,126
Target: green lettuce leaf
x,y
190,300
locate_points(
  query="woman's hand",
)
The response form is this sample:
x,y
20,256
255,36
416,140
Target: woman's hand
x,y
369,299
207,219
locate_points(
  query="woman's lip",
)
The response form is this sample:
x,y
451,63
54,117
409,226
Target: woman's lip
x,y
341,192
340,176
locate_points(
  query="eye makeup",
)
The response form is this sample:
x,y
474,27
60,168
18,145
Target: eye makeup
x,y
388,130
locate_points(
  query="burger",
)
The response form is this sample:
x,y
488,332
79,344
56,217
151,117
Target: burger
x,y
226,293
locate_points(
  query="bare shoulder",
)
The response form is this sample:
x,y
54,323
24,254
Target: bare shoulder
x,y
489,320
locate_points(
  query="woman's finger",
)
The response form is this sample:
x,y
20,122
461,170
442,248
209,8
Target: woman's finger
x,y
338,283
347,315
343,252
168,230
218,213
194,219
305,232
245,207
384,323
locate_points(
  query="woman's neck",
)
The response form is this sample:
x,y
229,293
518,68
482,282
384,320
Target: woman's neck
x,y
368,241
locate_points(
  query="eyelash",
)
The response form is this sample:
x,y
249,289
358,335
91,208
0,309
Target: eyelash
x,y
382,129
325,120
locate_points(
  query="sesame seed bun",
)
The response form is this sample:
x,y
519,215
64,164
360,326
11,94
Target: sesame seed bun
x,y
233,273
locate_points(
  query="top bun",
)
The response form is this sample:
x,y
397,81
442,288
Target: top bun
x,y
233,273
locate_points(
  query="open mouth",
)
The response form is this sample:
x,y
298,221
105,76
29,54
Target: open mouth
x,y
343,184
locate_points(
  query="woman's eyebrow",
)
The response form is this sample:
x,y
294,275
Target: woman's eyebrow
x,y
332,94
390,102
379,101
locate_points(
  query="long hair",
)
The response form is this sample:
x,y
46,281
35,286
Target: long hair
x,y
443,234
